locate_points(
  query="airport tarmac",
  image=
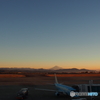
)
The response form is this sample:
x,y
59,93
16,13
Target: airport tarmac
x,y
10,86
10,92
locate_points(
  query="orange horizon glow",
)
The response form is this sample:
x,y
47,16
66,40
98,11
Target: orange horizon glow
x,y
47,66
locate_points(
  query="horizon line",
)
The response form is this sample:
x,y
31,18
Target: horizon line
x,y
50,68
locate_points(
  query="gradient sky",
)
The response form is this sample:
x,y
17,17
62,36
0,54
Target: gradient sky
x,y
45,33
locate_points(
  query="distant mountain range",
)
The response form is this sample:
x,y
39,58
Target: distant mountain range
x,y
53,69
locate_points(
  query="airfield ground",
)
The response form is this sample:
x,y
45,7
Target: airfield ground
x,y
9,86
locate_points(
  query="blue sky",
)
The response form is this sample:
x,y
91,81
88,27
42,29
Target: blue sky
x,y
45,33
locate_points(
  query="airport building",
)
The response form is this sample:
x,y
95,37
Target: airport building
x,y
87,87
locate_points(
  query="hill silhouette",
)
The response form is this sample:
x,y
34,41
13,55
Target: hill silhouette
x,y
53,69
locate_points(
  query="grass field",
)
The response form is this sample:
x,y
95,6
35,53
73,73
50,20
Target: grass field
x,y
10,75
75,75
15,79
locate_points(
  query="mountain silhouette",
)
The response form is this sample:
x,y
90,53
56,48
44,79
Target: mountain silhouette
x,y
55,68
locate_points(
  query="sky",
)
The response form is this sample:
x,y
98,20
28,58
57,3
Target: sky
x,y
48,33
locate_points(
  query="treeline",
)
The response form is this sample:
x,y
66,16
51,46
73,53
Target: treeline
x,y
39,72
